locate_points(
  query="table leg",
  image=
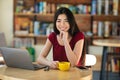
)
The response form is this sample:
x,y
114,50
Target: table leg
x,y
103,63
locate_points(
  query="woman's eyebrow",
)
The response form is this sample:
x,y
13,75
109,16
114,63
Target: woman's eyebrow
x,y
63,19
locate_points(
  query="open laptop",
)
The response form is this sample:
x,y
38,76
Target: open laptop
x,y
18,58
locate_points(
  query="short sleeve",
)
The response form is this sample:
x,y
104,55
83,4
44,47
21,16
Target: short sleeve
x,y
78,36
51,37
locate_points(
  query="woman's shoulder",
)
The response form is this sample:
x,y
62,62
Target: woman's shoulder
x,y
79,35
52,34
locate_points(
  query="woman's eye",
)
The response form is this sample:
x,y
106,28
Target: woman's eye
x,y
58,21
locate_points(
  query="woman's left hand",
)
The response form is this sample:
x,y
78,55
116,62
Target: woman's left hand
x,y
64,36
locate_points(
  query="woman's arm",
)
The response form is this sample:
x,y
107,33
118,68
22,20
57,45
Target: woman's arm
x,y
42,57
75,54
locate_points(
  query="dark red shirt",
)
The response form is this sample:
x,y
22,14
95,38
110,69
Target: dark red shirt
x,y
59,53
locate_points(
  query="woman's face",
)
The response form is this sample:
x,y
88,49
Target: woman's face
x,y
62,23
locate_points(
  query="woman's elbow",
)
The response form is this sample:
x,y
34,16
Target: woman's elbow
x,y
38,60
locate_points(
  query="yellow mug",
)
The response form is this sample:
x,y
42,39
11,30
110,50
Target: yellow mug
x,y
64,66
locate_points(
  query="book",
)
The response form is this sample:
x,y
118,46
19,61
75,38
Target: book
x,y
115,7
43,28
31,27
49,29
94,7
41,7
36,27
116,60
22,25
106,7
19,6
22,42
115,65
114,28
44,7
111,7
95,27
53,8
99,7
36,8
100,28
107,29
80,9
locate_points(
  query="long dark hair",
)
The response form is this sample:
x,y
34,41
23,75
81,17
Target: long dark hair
x,y
84,52
73,25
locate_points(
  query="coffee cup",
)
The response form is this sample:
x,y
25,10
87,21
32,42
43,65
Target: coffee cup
x,y
64,66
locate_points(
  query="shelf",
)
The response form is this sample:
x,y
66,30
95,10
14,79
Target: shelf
x,y
31,36
106,18
110,37
45,17
49,17
24,14
84,21
68,1
82,16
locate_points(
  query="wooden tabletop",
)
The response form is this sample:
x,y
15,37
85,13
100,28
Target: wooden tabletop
x,y
107,42
7,73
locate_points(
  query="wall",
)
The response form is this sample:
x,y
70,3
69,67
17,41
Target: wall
x,y
6,26
6,19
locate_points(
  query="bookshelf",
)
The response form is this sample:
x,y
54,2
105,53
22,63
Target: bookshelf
x,y
47,17
106,19
29,12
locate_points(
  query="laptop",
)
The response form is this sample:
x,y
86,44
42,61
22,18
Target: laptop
x,y
19,58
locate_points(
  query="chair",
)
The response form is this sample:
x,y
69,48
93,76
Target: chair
x,y
90,60
2,44
2,40
110,56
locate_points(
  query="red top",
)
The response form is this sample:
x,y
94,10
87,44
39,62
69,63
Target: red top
x,y
59,53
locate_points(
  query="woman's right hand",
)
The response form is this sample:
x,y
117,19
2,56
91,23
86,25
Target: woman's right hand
x,y
53,64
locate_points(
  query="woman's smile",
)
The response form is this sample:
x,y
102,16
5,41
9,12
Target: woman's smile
x,y
62,23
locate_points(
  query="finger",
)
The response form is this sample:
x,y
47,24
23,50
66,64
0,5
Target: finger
x,y
54,64
61,34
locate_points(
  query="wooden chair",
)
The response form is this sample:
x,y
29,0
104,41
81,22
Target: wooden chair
x,y
2,44
90,60
110,56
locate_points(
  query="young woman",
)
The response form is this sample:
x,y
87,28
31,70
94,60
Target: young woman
x,y
67,41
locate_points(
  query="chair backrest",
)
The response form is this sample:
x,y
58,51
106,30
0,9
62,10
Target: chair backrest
x,y
2,44
2,40
90,60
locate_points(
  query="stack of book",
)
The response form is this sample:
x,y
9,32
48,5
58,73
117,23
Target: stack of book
x,y
106,28
106,7
115,61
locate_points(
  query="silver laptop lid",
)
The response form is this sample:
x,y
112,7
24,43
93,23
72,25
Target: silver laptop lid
x,y
18,58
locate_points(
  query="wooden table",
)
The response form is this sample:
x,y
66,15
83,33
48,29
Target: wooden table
x,y
7,73
105,43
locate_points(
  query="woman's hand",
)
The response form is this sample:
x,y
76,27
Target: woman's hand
x,y
53,64
64,36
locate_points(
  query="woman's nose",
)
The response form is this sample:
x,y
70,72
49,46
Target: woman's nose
x,y
62,23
